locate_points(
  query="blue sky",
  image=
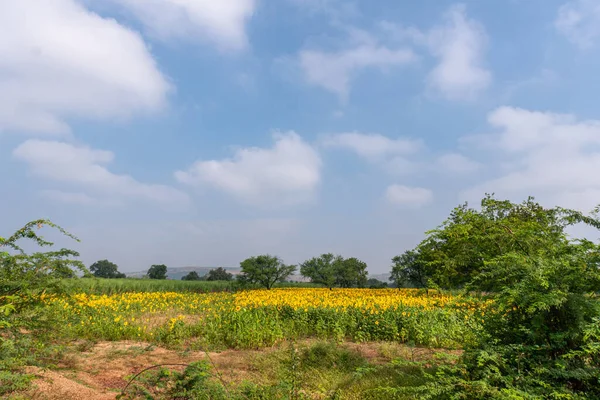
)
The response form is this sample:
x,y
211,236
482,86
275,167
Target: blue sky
x,y
195,132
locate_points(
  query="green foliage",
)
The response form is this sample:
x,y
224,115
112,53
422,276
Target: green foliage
x,y
331,270
351,272
21,272
542,326
265,270
157,271
409,270
219,274
191,276
373,283
322,269
112,286
106,269
328,355
23,276
195,382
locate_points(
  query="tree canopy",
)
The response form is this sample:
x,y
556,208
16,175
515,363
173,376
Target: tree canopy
x,y
218,274
322,269
265,270
351,272
542,327
157,271
408,269
191,276
106,269
334,270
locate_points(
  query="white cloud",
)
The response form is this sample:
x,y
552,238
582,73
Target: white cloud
x,y
58,60
222,22
459,45
408,196
287,173
334,71
372,145
579,21
455,163
391,154
69,197
551,156
84,167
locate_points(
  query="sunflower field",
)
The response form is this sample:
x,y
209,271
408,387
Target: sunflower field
x,y
257,318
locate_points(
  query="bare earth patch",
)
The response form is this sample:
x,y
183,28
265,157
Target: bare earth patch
x,y
100,371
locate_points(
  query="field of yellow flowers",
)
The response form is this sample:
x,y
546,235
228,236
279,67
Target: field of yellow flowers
x,y
256,318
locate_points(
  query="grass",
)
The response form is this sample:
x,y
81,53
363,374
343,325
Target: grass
x,y
294,370
128,285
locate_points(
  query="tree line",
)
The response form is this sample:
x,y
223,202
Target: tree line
x,y
266,270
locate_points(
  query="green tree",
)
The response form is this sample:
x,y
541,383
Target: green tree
x,y
542,328
373,283
323,269
409,269
219,274
265,270
191,276
351,272
157,271
106,269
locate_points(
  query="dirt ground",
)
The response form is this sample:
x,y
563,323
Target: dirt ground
x,y
99,371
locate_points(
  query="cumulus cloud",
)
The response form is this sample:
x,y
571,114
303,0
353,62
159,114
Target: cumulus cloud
x,y
455,163
287,173
222,22
335,70
78,198
548,155
391,154
372,145
408,196
84,167
459,45
58,60
579,21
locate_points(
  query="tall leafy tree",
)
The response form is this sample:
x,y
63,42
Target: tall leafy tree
x,y
106,269
469,240
351,272
218,274
265,270
542,327
409,269
157,271
323,269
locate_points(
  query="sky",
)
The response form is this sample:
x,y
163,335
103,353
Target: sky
x,y
201,132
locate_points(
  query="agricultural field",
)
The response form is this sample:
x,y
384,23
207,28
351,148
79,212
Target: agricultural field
x,y
339,332
258,318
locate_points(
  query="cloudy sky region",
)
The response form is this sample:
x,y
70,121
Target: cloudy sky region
x,y
201,132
